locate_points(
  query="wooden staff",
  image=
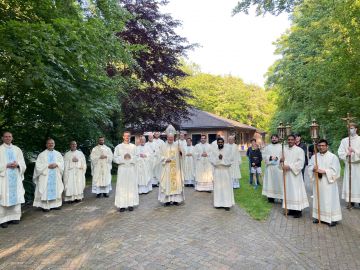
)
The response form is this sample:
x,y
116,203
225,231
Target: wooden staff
x,y
284,178
348,119
314,132
317,181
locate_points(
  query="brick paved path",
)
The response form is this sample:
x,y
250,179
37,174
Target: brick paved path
x,y
93,235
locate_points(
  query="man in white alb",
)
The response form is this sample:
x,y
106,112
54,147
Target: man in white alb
x,y
74,174
101,163
12,168
203,167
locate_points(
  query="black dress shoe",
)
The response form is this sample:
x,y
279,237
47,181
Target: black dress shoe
x,y
46,210
122,210
175,203
4,225
208,191
271,200
297,214
15,222
98,195
131,208
167,204
227,208
315,220
332,224
106,195
57,208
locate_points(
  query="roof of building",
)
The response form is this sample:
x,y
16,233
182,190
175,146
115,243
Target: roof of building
x,y
204,120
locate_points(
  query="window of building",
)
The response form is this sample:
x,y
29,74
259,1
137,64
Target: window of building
x,y
195,138
211,137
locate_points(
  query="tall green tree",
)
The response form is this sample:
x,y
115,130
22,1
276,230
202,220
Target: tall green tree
x,y
155,100
230,97
318,75
53,69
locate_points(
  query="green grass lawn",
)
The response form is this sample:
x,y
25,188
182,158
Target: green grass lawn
x,y
250,199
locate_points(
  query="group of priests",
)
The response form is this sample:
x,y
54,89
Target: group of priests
x,y
170,165
286,165
173,164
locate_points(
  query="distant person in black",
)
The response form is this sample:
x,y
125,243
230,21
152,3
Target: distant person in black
x,y
303,146
255,158
311,150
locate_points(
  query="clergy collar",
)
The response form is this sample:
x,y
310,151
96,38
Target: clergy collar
x,y
7,145
50,150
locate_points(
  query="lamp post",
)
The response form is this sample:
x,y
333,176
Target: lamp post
x,y
283,132
314,133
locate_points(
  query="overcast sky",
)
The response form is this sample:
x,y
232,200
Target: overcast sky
x,y
239,45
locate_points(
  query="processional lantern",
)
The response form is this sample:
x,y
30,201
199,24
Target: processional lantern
x,y
314,130
281,129
288,129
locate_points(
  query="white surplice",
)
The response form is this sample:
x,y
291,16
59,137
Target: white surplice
x,y
273,186
223,184
158,164
155,159
101,169
355,168
171,185
203,167
49,184
189,165
330,209
11,183
296,197
144,168
127,193
235,164
74,175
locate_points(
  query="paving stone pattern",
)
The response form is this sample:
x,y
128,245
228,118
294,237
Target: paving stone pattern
x,y
94,235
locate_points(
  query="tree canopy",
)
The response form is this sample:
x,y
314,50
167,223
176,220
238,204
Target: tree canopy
x,y
77,69
274,7
230,97
318,75
155,100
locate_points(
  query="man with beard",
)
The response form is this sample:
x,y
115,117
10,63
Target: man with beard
x,y
221,159
302,145
292,163
328,169
101,163
12,168
353,152
273,179
219,134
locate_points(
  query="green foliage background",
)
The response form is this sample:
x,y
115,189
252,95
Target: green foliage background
x,y
318,75
230,97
